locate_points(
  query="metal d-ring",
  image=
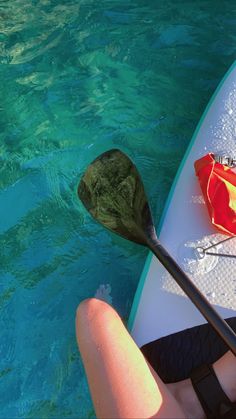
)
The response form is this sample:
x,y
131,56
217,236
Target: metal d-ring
x,y
201,252
205,251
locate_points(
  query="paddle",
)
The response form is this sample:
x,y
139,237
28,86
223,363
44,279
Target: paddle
x,y
112,191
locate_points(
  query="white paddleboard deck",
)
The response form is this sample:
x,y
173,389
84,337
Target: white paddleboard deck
x,y
160,307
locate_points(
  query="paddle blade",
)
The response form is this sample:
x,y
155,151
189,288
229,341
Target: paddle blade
x,y
112,191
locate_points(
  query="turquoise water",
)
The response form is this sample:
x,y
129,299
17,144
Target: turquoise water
x,y
77,78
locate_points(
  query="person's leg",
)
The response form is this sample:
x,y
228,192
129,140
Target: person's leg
x,y
121,382
183,391
225,370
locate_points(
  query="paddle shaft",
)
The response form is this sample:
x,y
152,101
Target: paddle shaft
x,y
197,298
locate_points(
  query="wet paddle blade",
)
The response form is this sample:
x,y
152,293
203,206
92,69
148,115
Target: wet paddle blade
x,y
112,191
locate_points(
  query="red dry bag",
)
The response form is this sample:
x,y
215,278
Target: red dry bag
x,y
218,184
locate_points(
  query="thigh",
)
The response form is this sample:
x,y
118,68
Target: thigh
x,y
121,382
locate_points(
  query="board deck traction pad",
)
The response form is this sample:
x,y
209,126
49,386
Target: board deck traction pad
x,y
160,310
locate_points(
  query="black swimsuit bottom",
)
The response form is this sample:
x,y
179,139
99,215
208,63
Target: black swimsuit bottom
x,y
189,354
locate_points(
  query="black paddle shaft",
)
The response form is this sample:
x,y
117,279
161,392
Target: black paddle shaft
x,y
198,299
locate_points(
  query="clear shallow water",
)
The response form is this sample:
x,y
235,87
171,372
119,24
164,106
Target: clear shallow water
x,y
78,78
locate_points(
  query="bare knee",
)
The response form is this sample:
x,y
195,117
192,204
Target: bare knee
x,y
93,309
94,319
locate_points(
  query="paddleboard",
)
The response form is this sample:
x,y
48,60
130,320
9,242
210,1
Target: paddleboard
x,y
163,321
